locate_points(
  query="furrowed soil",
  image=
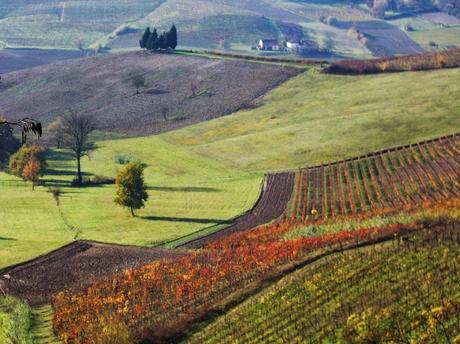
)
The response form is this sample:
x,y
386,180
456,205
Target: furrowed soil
x,y
178,90
74,266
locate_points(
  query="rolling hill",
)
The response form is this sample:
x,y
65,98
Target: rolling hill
x,y
220,25
178,91
206,174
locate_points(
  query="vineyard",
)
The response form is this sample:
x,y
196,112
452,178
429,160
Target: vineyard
x,y
160,301
426,61
405,290
404,204
397,178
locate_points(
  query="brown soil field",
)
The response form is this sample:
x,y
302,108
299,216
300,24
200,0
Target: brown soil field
x,y
271,205
179,90
73,266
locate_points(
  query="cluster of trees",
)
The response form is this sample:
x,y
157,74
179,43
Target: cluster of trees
x,y
8,143
379,7
72,132
28,163
151,40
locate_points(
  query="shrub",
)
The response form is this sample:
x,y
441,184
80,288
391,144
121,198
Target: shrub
x,y
15,318
56,192
433,60
19,160
124,159
94,180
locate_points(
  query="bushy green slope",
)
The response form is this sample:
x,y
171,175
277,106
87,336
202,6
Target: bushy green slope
x,y
15,321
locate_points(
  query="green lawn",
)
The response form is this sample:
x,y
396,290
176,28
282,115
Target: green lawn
x,y
187,193
316,117
443,37
211,172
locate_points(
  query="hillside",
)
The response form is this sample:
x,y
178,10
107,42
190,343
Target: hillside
x,y
179,90
387,293
222,25
206,174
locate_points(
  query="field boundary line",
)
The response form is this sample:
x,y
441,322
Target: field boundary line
x,y
372,154
262,188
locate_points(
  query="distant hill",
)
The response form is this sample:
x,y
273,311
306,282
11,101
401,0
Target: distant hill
x,y
179,90
86,26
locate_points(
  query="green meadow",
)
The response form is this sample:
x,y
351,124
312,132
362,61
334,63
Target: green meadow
x,y
202,176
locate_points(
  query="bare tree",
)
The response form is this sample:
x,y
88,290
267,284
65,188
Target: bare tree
x,y
56,131
138,82
193,88
164,112
76,129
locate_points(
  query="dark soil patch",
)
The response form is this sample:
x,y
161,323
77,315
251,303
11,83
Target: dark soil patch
x,y
74,266
272,204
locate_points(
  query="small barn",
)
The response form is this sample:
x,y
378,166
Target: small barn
x,y
268,44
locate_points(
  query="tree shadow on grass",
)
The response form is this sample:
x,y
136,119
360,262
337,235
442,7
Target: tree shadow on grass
x,y
186,220
7,239
59,155
183,189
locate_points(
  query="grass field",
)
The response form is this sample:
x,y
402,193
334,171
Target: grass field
x,y
53,24
187,193
315,118
206,173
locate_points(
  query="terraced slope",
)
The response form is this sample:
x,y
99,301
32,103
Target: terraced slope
x,y
404,289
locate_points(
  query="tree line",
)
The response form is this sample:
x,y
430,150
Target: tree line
x,y
151,40
73,133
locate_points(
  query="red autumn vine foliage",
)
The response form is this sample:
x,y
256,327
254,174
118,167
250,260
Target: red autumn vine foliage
x,y
434,60
165,295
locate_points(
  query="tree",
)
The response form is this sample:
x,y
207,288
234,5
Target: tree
x,y
32,171
138,82
172,37
77,128
164,112
152,43
163,41
19,160
380,6
131,189
145,38
56,131
8,143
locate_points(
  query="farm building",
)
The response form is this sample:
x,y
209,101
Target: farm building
x,y
269,44
301,47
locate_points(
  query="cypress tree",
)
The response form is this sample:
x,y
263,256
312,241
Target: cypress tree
x,y
152,43
163,41
172,37
145,38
